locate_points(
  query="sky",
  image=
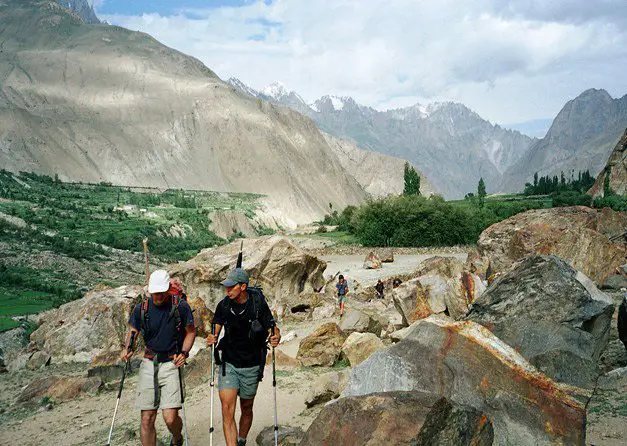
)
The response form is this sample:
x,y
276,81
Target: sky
x,y
510,61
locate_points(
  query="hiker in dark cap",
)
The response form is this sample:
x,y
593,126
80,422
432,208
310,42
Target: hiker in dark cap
x,y
248,322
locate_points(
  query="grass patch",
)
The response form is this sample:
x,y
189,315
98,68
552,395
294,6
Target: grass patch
x,y
6,323
341,364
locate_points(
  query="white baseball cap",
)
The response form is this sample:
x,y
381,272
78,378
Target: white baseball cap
x,y
159,281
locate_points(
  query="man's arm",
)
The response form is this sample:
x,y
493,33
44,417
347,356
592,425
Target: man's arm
x,y
275,336
212,339
188,343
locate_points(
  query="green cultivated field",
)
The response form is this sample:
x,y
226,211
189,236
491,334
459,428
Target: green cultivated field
x,y
83,221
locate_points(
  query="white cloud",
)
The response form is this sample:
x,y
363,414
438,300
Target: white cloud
x,y
508,60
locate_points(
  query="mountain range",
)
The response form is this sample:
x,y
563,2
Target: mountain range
x,y
94,102
454,146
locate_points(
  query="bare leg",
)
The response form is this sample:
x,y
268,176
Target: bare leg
x,y
246,419
148,433
228,397
174,423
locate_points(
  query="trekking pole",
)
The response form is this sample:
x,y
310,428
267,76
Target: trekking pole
x,y
183,405
212,385
145,243
127,366
276,423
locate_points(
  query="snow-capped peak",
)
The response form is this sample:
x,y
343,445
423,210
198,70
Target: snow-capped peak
x,y
275,90
242,86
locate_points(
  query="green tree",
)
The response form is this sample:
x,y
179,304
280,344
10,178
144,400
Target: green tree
x,y
481,193
412,180
607,190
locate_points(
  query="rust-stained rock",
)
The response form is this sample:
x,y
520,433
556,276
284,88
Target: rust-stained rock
x,y
552,315
466,363
453,425
322,347
436,294
273,262
96,323
396,418
577,234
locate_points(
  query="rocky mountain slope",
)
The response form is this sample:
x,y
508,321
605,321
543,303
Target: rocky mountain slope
x,y
451,144
102,103
581,137
380,175
82,8
615,169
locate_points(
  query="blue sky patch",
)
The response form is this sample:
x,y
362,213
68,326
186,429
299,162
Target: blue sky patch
x,y
163,7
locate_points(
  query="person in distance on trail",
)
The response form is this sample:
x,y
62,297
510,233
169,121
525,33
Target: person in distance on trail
x,y
247,321
341,289
379,287
167,326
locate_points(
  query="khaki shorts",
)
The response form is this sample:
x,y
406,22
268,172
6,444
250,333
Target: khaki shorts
x,y
245,380
168,382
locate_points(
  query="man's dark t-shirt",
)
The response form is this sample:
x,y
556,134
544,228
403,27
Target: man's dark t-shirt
x,y
160,327
239,349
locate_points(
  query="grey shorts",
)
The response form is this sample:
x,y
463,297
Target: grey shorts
x,y
341,298
169,389
245,380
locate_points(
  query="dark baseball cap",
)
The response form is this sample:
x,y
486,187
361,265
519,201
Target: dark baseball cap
x,y
238,275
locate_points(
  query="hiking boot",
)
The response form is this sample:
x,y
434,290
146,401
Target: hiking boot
x,y
241,442
178,443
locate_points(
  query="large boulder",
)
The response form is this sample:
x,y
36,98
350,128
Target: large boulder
x,y
578,234
359,346
372,261
355,320
327,387
84,328
386,255
282,269
614,173
466,363
437,294
287,436
453,425
59,388
552,315
322,347
395,418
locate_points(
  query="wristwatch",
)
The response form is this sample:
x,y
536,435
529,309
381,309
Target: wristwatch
x,y
184,353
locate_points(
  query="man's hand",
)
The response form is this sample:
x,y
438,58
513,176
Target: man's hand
x,y
275,339
211,339
126,354
179,359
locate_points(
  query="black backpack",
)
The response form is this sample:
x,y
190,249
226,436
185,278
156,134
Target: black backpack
x,y
256,331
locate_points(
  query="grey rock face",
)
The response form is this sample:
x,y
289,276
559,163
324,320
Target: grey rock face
x,y
453,425
467,364
553,315
398,418
82,8
581,137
